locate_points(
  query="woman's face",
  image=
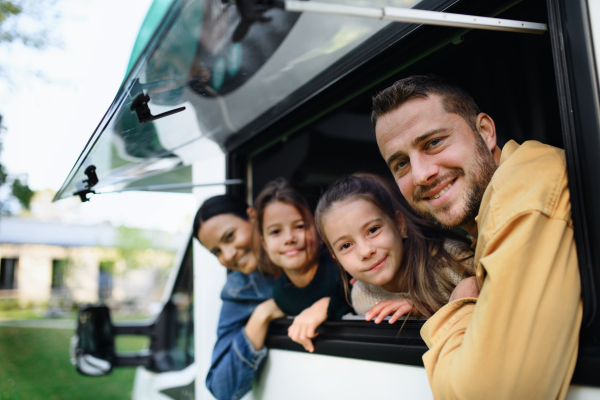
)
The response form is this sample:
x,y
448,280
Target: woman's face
x,y
365,241
284,236
229,238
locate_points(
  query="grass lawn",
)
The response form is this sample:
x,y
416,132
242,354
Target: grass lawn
x,y
34,364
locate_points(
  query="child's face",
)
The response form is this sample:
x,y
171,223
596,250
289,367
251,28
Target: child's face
x,y
284,236
365,241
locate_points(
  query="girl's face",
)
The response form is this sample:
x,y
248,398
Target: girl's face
x,y
284,236
229,238
365,241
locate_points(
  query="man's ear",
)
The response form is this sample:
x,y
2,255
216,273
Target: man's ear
x,y
251,211
487,130
401,223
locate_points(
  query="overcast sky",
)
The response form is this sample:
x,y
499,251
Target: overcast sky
x,y
53,99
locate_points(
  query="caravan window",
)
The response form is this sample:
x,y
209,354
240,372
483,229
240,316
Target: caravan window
x,y
513,78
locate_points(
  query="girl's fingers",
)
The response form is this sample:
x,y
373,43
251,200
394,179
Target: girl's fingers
x,y
374,311
311,331
304,340
401,311
385,312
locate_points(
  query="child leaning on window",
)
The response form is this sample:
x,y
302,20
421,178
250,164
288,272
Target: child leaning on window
x,y
311,286
402,263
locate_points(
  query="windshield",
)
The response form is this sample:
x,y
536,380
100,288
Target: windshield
x,y
229,90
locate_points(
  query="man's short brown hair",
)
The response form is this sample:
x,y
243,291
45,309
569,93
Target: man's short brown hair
x,y
455,99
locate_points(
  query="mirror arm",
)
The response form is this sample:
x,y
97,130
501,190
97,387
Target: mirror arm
x,y
134,328
142,358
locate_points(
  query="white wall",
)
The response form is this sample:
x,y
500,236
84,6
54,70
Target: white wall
x,y
209,275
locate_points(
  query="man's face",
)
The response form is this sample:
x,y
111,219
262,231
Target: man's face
x,y
440,165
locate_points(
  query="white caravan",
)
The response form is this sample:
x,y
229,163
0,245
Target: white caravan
x,y
291,97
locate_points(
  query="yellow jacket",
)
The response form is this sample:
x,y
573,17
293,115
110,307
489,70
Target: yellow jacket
x,y
519,339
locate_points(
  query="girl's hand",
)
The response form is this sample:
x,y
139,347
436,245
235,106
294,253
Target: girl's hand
x,y
305,324
399,307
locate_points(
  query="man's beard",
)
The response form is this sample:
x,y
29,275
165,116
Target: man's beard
x,y
477,179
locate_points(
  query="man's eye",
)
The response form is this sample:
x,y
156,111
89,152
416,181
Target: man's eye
x,y
433,143
401,164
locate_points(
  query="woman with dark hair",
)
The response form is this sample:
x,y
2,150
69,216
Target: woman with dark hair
x,y
223,225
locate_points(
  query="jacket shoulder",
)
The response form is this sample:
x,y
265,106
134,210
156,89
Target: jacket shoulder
x,y
532,178
252,286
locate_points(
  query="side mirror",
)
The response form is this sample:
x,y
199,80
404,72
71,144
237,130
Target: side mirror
x,y
93,346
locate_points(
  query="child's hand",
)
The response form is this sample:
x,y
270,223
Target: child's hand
x,y
305,324
399,307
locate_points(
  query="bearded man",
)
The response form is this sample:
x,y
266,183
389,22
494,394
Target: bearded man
x,y
513,331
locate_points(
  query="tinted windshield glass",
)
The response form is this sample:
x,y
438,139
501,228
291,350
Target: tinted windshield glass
x,y
229,90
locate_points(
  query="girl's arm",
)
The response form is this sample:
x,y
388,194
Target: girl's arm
x,y
303,329
238,354
258,324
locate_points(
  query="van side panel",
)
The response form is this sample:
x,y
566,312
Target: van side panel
x,y
209,275
294,375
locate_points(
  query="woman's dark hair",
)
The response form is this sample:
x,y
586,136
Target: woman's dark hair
x,y
425,257
217,205
280,190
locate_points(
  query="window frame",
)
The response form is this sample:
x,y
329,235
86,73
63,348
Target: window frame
x,y
577,88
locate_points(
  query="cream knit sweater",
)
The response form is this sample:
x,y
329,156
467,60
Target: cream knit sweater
x,y
365,295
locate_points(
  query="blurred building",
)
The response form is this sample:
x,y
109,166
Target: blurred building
x,y
45,262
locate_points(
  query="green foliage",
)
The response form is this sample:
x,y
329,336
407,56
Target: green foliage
x,y
35,365
129,243
22,193
19,189
10,31
7,9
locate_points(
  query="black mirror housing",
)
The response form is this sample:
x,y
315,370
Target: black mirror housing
x,y
93,346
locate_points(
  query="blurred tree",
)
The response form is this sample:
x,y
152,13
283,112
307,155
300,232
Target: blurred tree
x,y
11,31
130,242
22,193
19,190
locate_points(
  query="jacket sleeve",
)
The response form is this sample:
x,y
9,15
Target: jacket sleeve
x,y
235,361
519,339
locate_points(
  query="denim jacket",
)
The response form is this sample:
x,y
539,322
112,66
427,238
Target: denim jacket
x,y
235,361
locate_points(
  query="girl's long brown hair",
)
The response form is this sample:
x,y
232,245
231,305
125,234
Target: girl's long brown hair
x,y
279,190
425,257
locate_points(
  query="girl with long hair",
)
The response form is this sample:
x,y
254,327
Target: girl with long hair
x,y
310,287
402,263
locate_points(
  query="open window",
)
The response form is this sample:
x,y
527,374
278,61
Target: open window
x,y
516,78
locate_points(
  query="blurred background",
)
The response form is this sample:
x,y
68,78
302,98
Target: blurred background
x,y
61,64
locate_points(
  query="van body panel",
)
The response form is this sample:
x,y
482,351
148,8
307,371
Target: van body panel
x,y
300,375
175,385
